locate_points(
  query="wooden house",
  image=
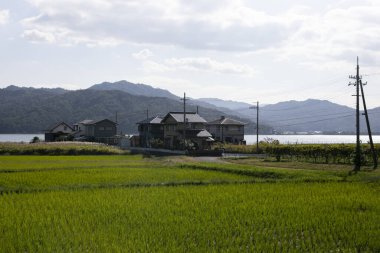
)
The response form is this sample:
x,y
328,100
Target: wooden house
x,y
96,130
195,131
227,130
150,131
58,132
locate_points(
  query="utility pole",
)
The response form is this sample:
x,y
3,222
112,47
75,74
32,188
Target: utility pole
x,y
116,121
147,128
374,155
257,125
358,149
184,120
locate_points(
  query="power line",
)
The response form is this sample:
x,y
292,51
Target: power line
x,y
313,116
314,121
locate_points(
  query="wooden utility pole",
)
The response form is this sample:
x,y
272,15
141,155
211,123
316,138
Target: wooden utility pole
x,y
358,148
147,128
116,121
257,125
359,88
374,155
184,120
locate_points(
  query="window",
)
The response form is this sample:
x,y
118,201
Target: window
x,y
65,128
109,128
101,128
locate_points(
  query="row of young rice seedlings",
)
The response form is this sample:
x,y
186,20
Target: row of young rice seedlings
x,y
65,179
262,217
34,163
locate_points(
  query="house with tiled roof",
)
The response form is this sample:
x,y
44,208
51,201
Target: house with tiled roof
x,y
103,130
58,132
227,130
151,131
190,126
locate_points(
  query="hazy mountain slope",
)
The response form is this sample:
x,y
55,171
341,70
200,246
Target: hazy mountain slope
x,y
31,111
28,110
232,105
134,89
309,115
374,119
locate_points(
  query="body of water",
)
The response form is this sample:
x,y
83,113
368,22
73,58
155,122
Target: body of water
x,y
251,139
312,139
20,137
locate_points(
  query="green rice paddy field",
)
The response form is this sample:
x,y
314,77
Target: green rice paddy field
x,y
126,203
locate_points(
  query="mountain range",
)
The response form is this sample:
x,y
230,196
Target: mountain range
x,y
31,110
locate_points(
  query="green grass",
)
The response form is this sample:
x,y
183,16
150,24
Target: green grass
x,y
58,148
132,204
30,173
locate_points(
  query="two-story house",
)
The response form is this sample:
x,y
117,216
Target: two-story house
x,y
195,132
150,130
227,130
96,130
58,132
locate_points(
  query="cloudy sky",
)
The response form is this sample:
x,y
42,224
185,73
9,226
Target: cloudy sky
x,y
267,51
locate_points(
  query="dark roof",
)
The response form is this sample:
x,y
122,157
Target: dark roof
x,y
85,122
226,121
93,122
52,127
151,120
191,117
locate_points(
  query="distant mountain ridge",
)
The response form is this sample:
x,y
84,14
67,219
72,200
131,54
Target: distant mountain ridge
x,y
313,115
134,89
232,105
28,110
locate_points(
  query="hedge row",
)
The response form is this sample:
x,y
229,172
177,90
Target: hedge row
x,y
317,153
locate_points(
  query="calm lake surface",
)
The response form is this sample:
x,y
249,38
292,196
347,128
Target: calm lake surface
x,y
20,137
251,139
312,139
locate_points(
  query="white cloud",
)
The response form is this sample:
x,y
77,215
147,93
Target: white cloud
x,y
152,66
38,36
332,39
332,34
4,17
209,65
143,54
168,22
197,64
